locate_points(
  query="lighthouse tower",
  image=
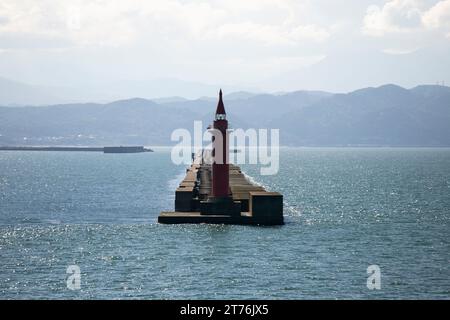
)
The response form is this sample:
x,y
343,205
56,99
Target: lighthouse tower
x,y
220,167
218,192
220,200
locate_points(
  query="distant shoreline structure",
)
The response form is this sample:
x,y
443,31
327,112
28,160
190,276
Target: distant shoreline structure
x,y
118,149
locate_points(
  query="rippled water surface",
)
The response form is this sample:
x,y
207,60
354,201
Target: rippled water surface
x,y
345,209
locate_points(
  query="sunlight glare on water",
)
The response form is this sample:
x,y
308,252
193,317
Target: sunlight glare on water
x,y
345,209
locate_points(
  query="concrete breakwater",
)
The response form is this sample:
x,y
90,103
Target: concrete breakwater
x,y
119,149
249,204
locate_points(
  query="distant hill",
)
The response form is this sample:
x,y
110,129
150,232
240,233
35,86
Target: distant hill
x,y
161,90
16,93
387,115
239,95
169,100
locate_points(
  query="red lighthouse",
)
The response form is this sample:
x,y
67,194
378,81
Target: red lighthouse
x,y
207,195
220,167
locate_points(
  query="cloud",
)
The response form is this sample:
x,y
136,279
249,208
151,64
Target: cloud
x,y
397,51
271,34
406,17
118,23
438,17
167,37
396,16
201,40
50,20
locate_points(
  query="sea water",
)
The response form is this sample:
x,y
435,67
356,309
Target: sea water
x,y
345,210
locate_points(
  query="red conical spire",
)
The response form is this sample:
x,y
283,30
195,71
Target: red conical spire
x,y
220,107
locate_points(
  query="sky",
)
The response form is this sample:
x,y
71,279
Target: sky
x,y
191,47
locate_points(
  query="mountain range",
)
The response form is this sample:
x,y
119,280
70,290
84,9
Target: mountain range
x,y
383,116
160,90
